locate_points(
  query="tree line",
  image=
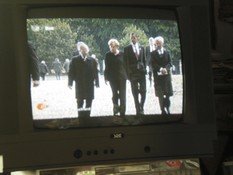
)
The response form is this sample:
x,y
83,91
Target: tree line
x,y
57,37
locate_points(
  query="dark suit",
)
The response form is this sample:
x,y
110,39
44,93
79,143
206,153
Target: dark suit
x,y
162,83
85,75
136,70
115,73
34,63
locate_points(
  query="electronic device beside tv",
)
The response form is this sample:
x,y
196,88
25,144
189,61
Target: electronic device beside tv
x,y
62,141
188,166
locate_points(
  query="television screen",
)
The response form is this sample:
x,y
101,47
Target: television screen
x,y
117,93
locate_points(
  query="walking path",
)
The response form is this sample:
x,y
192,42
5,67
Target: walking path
x,y
53,99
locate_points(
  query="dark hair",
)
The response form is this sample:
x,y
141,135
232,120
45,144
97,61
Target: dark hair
x,y
134,34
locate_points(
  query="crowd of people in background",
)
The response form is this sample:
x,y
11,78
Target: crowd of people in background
x,y
56,68
133,63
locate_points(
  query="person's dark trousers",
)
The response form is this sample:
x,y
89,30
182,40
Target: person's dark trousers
x,y
138,86
84,111
119,93
58,75
42,76
167,103
164,103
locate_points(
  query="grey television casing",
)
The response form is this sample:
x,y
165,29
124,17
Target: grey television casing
x,y
23,147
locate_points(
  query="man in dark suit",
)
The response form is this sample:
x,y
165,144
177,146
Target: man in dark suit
x,y
115,74
83,70
34,66
134,57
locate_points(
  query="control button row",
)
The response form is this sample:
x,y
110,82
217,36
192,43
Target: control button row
x,y
79,153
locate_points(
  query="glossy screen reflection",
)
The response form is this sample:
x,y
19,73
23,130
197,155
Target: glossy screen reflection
x,y
55,39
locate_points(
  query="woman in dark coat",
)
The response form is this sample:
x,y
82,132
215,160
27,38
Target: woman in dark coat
x,y
161,65
57,67
43,69
83,70
115,74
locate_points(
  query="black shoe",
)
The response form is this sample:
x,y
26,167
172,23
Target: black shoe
x,y
142,111
142,108
122,114
138,112
116,110
164,112
168,111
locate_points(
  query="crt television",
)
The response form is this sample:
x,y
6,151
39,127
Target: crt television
x,y
39,130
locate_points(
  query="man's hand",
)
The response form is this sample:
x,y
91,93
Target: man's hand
x,y
163,71
36,83
97,85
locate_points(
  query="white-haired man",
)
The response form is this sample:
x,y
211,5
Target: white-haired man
x,y
83,70
77,51
161,65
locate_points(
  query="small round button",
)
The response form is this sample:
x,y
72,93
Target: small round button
x,y
147,149
78,154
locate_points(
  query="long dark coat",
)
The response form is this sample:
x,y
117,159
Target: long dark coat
x,y
85,75
162,83
57,66
44,68
34,63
